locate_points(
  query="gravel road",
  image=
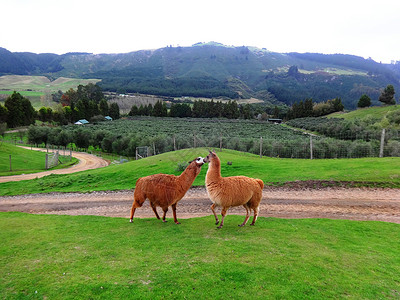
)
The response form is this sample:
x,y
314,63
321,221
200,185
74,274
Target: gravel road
x,y
86,162
333,203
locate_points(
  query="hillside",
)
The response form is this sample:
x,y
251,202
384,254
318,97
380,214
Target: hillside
x,y
215,70
372,113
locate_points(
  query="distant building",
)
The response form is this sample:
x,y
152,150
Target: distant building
x,y
108,118
82,122
276,121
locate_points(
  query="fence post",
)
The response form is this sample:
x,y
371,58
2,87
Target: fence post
x,y
10,164
47,161
311,148
174,143
382,143
261,144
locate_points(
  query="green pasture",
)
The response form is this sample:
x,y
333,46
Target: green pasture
x,y
38,89
377,112
24,93
88,257
40,83
362,171
25,161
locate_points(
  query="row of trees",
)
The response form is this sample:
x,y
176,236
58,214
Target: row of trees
x,y
200,109
308,108
288,148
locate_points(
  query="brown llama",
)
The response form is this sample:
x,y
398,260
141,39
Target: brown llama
x,y
231,191
165,190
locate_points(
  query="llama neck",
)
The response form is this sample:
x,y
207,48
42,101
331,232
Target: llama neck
x,y
214,171
187,177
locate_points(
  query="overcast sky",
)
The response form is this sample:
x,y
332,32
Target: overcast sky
x,y
364,28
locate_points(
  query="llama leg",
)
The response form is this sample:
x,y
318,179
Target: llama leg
x,y
165,209
255,215
223,213
136,203
215,215
247,216
155,210
174,213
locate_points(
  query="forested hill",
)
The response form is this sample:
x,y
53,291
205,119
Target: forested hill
x,y
213,70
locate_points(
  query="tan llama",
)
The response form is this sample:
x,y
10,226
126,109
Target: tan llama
x,y
232,191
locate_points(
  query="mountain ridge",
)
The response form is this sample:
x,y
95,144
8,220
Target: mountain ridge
x,y
216,70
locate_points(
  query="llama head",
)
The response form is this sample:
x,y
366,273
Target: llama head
x,y
210,157
198,161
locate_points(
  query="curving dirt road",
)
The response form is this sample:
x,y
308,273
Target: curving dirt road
x,y
333,203
86,162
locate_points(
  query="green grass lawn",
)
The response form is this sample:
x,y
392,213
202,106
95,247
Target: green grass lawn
x,y
383,171
25,161
86,257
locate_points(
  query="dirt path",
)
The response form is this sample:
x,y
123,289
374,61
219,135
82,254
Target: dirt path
x,y
86,162
334,203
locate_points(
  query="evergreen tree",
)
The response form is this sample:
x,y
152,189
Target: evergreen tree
x,y
364,101
20,111
114,111
387,95
134,111
157,110
103,107
164,111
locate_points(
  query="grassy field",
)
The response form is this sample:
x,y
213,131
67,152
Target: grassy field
x,y
380,171
38,89
377,112
25,161
86,257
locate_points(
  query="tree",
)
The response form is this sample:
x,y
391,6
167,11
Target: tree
x,y
45,114
20,111
134,111
3,114
3,128
387,95
103,106
158,109
364,101
114,111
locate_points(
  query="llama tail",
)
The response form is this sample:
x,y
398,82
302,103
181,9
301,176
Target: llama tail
x,y
260,182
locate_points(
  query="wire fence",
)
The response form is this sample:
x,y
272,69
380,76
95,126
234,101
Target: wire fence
x,y
312,146
303,146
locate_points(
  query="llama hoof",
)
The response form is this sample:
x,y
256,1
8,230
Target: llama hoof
x,y
164,221
177,223
130,221
216,223
252,224
241,225
219,227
